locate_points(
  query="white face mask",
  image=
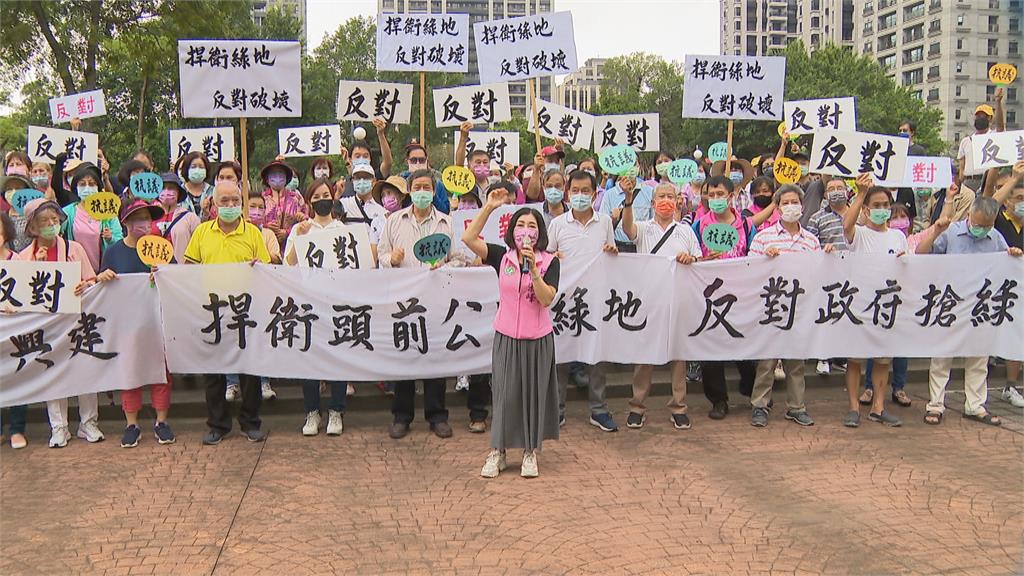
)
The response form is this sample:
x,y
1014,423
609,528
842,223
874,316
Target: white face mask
x,y
791,212
322,173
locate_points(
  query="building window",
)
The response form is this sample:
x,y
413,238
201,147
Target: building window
x,y
888,62
934,26
993,23
959,91
914,11
1014,25
1013,48
993,47
933,73
959,67
887,42
915,76
934,49
1011,94
737,10
913,55
933,95
1011,116
959,43
815,22
957,113
990,92
960,20
913,33
887,21
867,47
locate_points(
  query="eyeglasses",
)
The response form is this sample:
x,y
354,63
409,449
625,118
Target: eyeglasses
x,y
417,160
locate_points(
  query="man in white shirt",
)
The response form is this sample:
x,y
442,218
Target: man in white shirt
x,y
984,117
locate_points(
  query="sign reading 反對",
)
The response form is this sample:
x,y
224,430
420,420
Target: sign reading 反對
x,y
44,144
84,105
360,101
309,141
477,104
216,143
852,153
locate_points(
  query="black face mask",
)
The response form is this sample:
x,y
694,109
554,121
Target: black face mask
x,y
762,201
323,207
981,123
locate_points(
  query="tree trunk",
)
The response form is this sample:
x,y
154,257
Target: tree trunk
x,y
92,47
60,56
142,110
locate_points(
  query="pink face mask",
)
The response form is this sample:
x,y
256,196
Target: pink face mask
x,y
139,229
522,234
256,216
391,204
482,171
901,224
19,170
169,197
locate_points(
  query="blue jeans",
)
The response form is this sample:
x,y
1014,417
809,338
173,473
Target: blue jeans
x,y
311,396
899,374
232,380
17,417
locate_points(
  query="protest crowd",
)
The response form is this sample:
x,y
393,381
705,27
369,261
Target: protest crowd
x,y
693,209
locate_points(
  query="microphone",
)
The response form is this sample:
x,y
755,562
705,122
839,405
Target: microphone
x,y
524,268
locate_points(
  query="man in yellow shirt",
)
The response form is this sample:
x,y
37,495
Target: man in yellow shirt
x,y
229,239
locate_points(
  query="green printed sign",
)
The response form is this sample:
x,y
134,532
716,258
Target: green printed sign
x,y
718,151
618,160
682,171
432,249
720,237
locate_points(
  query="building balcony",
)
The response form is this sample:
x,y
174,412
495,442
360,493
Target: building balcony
x,y
935,6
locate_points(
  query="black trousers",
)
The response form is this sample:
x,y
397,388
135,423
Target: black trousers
x,y
479,397
404,404
218,414
714,379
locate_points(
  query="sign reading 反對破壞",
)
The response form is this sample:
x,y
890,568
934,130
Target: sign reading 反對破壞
x,y
309,141
995,149
555,121
44,144
641,131
240,78
347,247
502,147
525,47
362,101
84,105
482,104
734,87
807,116
216,143
30,286
423,42
852,153
928,172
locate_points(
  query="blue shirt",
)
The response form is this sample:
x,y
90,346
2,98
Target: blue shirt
x,y
614,197
957,239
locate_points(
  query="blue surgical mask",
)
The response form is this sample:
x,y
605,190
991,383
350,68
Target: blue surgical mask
x,y
736,177
362,186
551,166
718,205
40,180
422,198
84,191
196,175
979,231
581,202
1018,209
699,177
553,195
879,215
229,213
360,162
293,184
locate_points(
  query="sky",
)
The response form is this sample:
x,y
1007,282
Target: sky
x,y
603,28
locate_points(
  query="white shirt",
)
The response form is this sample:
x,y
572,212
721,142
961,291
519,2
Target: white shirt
x,y
289,246
967,153
576,239
868,241
682,239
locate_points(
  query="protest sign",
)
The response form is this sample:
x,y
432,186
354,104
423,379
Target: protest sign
x,y
360,101
1002,74
30,286
477,104
102,205
309,141
618,160
432,249
556,121
786,171
344,247
995,149
718,151
154,250
84,105
734,87
806,116
640,131
458,179
22,197
423,42
928,172
525,47
852,153
682,171
216,143
720,237
502,147
44,144
146,185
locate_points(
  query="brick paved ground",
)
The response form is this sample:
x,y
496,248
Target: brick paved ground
x,y
722,498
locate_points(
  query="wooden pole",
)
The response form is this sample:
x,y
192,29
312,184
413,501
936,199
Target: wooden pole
x,y
423,107
243,128
728,150
531,83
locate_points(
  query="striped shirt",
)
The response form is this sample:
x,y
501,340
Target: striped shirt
x,y
779,238
827,226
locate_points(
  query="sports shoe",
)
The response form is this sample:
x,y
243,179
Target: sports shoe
x,y
478,427
59,437
801,417
462,384
852,419
232,392
885,418
254,435
681,421
335,423
635,420
267,391
90,432
823,368
312,425
1011,395
18,441
838,367
604,421
529,466
213,437
163,433
561,420
759,417
350,390
780,373
494,464
694,372
130,438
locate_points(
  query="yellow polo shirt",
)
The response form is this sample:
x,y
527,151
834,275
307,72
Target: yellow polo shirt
x,y
210,245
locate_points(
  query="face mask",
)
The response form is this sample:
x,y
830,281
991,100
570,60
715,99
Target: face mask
x,y
762,201
40,180
699,177
323,207
168,197
196,175
1018,209
662,168
520,235
736,177
322,173
481,171
979,231
86,191
49,232
879,215
229,213
923,192
360,162
19,170
422,198
591,172
718,205
981,123
391,204
548,166
791,212
904,134
804,170
553,195
901,224
769,171
664,208
492,180
276,181
581,202
293,184
255,216
467,203
362,187
836,197
139,229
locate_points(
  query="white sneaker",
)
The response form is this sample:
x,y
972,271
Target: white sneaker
x,y
268,392
495,463
90,432
312,426
823,368
529,467
59,437
335,424
1011,395
780,374
232,392
350,390
462,384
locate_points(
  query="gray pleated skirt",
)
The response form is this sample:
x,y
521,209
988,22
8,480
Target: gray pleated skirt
x,y
525,392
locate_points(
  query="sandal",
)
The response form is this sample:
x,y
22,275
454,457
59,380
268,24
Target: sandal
x,y
986,418
900,397
867,397
933,418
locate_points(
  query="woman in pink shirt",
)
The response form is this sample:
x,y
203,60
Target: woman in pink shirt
x,y
524,383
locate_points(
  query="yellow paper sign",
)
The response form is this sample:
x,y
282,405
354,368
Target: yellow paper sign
x,y
1002,74
458,179
787,171
102,205
154,250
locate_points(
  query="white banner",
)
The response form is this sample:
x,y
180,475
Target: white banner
x,y
240,78
572,126
525,47
501,146
44,144
494,229
734,87
84,105
345,247
928,172
806,116
309,141
641,131
997,149
216,143
852,153
362,101
39,287
423,42
108,346
482,104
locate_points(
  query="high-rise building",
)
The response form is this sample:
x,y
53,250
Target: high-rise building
x,y
296,8
755,27
581,89
482,11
